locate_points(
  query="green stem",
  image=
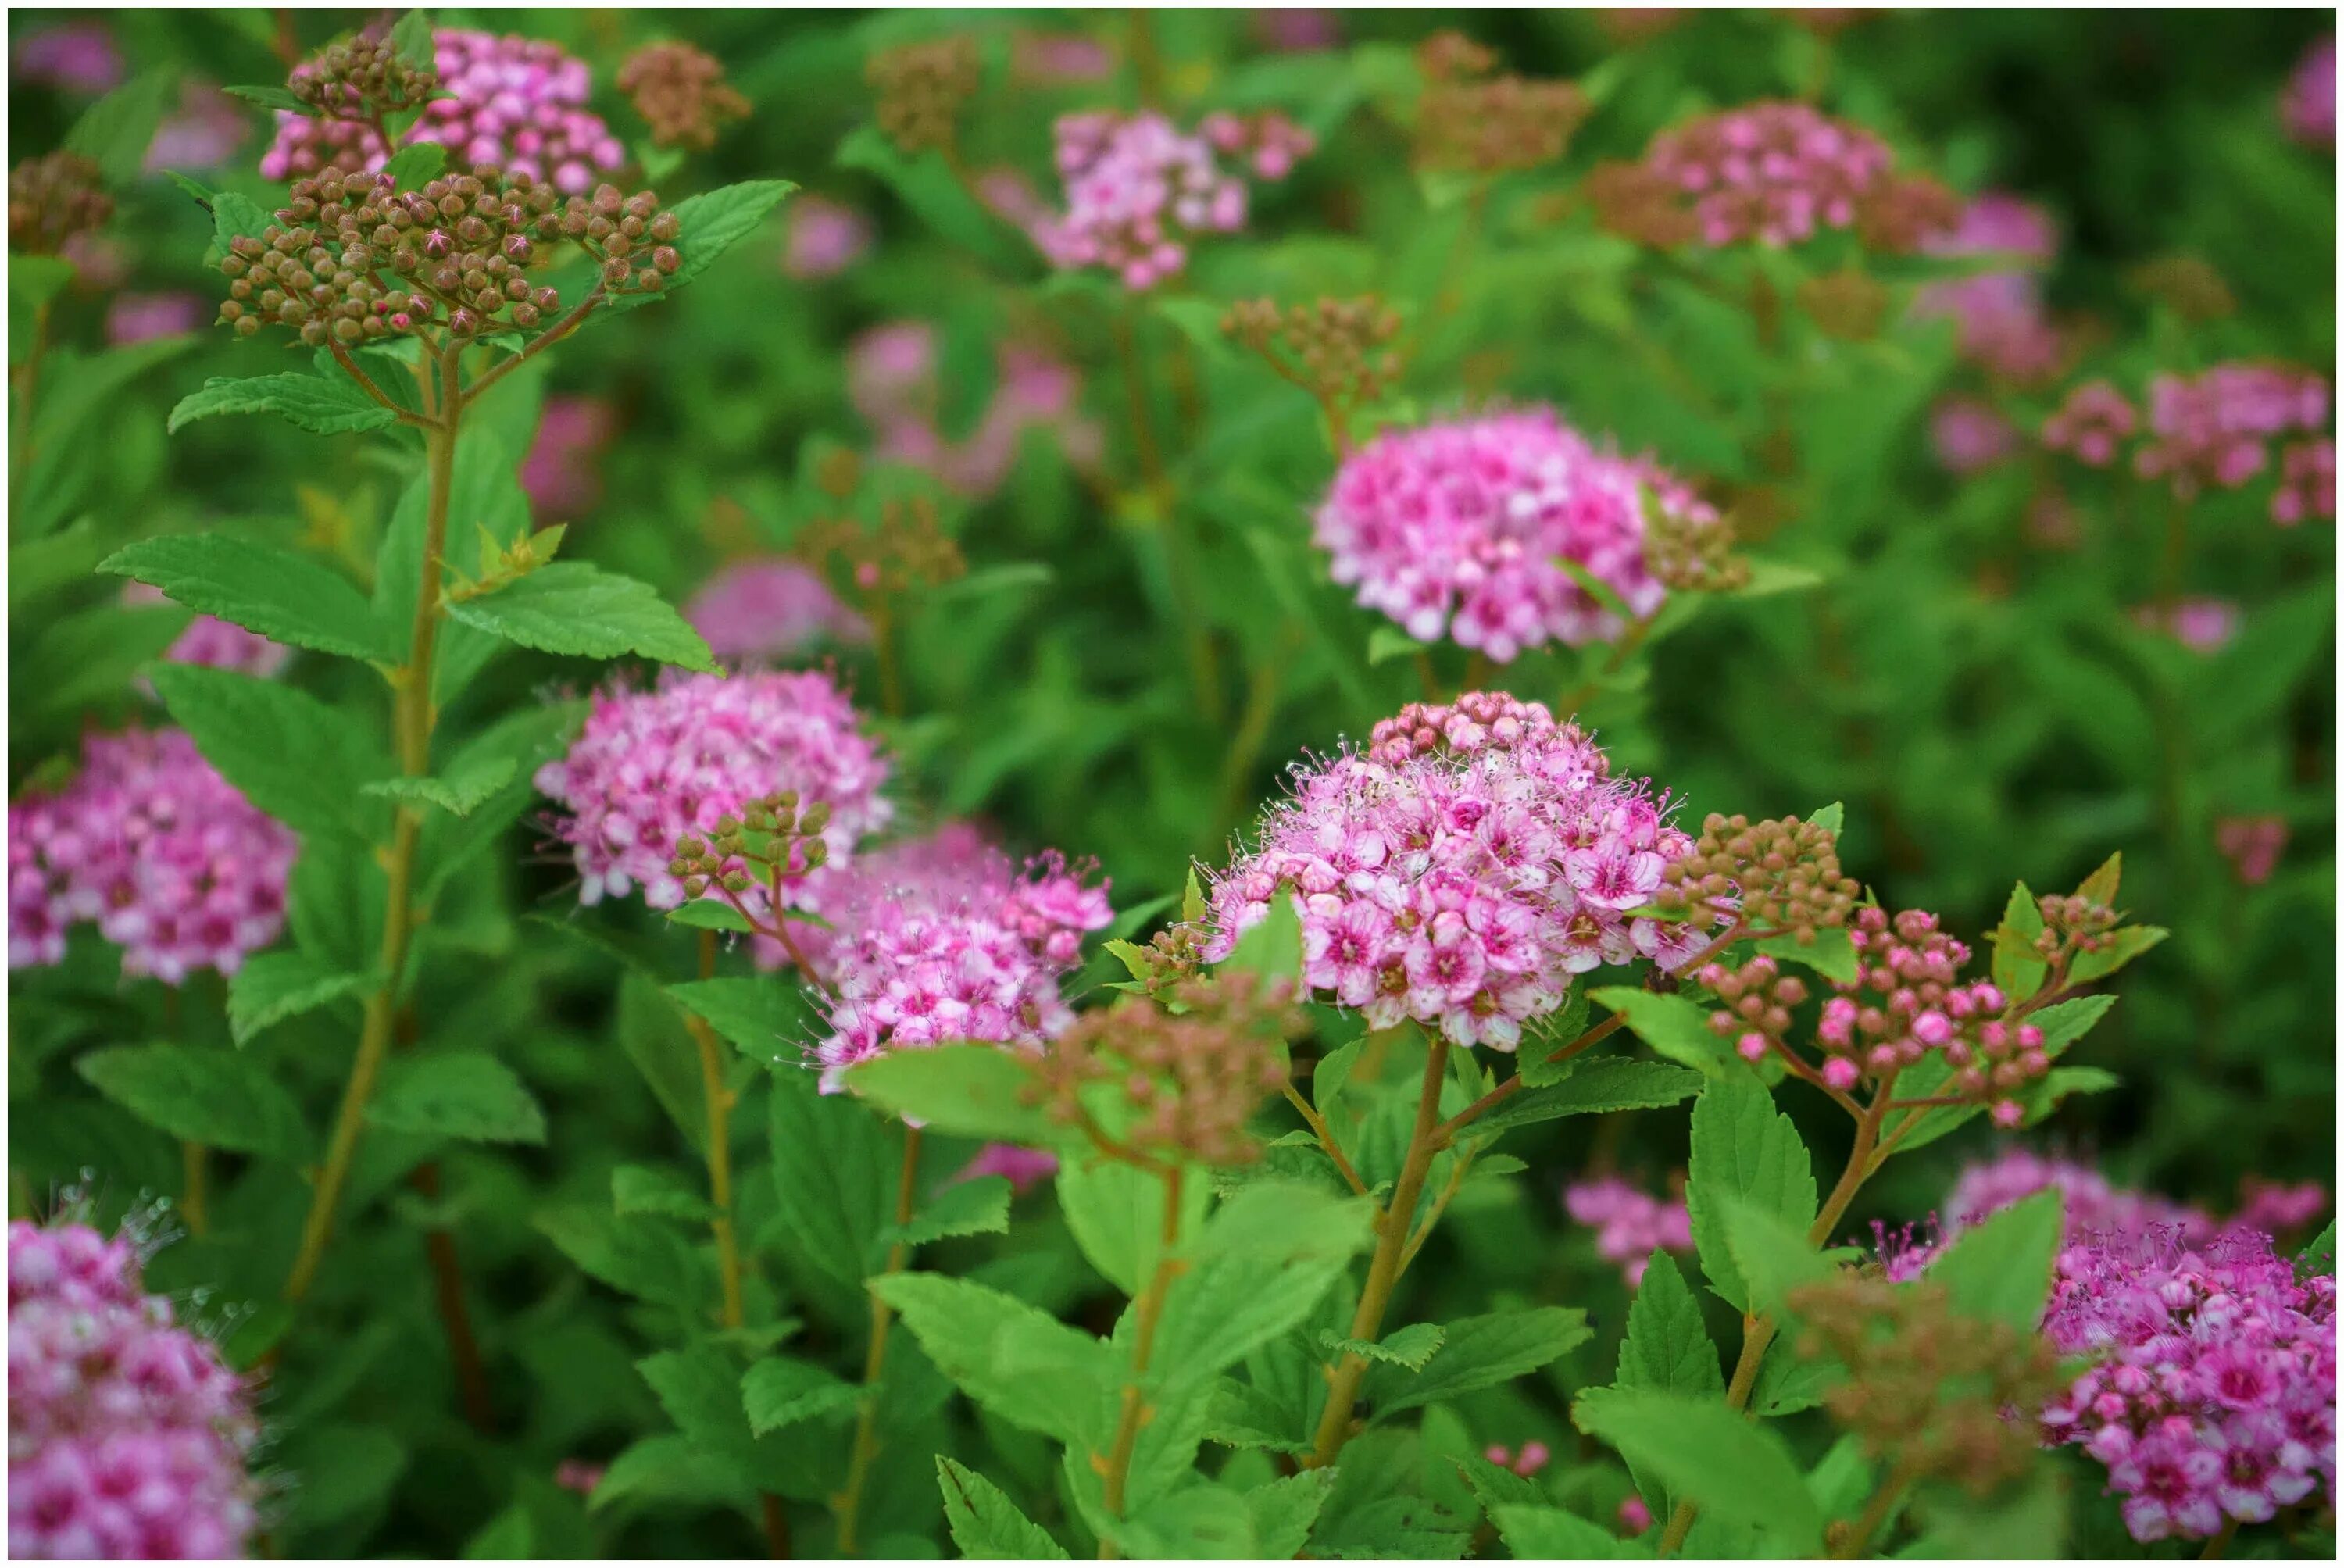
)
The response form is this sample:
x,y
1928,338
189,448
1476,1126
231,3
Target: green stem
x,y
1392,1226
1135,1412
719,1147
848,1504
1875,1514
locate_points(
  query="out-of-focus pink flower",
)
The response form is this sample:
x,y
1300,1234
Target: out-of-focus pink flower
x,y
135,317
580,1475
2003,325
99,263
1026,1168
2307,482
205,133
2053,522
1526,1464
1054,59
1628,1224
1635,1518
80,57
2308,107
770,609
2091,423
213,642
825,238
1007,192
892,380
2278,1206
1971,435
2216,428
2202,625
2252,845
1298,29
562,474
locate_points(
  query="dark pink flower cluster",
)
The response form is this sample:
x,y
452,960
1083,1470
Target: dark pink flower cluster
x,y
562,474
517,103
2091,423
81,57
1774,172
768,608
175,865
1461,870
1140,191
1630,1224
656,766
1459,529
1971,435
2307,108
2213,427
1909,1000
2252,844
825,237
892,377
2093,1203
127,1434
2003,325
212,642
943,938
1533,1457
2213,1394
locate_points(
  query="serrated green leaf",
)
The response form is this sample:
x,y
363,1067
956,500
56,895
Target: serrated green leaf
x,y
1019,1363
1743,1148
1675,1026
1479,1353
977,1207
2122,948
779,1391
1116,1212
1667,1350
840,1167
984,1524
1242,1416
768,1019
1389,642
459,793
1737,1471
1534,1058
1594,1085
277,985
2017,971
222,1099
276,97
1258,1269
296,758
1830,953
1771,1256
457,1094
1272,946
640,1255
2318,1255
417,164
644,1189
570,607
1999,1271
711,223
1411,1347
1283,1511
1533,1533
973,1090
314,404
670,1468
285,596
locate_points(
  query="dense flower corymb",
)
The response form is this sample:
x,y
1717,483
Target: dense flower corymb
x,y
127,1434
1461,870
173,865
1457,529
654,767
1140,191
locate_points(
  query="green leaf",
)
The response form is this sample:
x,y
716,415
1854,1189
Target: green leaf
x,y
570,607
1411,1347
2318,1255
1387,642
1768,576
2064,1023
459,793
1675,1026
2000,1271
1593,1085
1730,1467
779,1391
974,1090
1532,1532
115,131
926,184
1830,818
511,1535
417,164
35,280
708,915
1284,1511
1017,1360
1116,1214
320,406
644,1190
977,1207
457,1094
223,1098
1242,1416
285,596
1534,1058
514,746
1479,1353
2044,1095
1667,1351
2017,971
1830,953
768,1019
712,223
1272,946
269,98
1771,1256
984,1524
2122,948
277,985
652,1035
410,36
643,1256
1788,1384
1258,1267
1743,1148
840,1168
670,1468
293,756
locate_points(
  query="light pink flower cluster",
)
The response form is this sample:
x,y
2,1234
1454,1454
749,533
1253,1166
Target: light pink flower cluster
x,y
891,378
176,867
2004,326
2213,1394
1458,528
2200,625
1140,191
2307,108
1774,172
562,474
653,767
2091,423
2276,1208
825,237
214,643
769,609
1629,1223
81,57
205,133
127,1434
943,938
1461,870
517,103
2214,428
1971,435
137,317
2252,845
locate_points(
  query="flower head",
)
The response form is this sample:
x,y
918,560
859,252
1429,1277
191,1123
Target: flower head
x,y
766,610
2308,107
825,237
2003,325
1140,191
1630,1224
681,92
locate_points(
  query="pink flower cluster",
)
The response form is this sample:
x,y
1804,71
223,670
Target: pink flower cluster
x,y
1628,1224
1461,870
2252,845
138,318
2213,1394
214,643
653,767
176,867
825,237
1773,172
1909,1000
562,472
2091,423
943,938
1140,191
81,57
1532,1458
2211,429
1457,529
1026,1169
517,103
2092,1202
2004,326
2307,108
891,378
765,609
1971,435
2201,625
127,1435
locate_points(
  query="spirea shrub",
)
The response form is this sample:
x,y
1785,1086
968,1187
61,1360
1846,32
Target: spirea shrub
x,y
1158,784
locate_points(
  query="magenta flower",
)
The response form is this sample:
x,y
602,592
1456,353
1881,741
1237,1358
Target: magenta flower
x,y
1971,436
825,237
2308,107
216,643
2094,1203
767,609
2252,845
205,133
1026,1168
562,472
80,57
1459,529
2093,421
2200,625
135,317
176,867
2307,482
2214,428
1628,1224
1140,192
128,1436
2003,325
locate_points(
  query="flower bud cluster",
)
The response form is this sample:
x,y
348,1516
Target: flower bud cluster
x,y
1776,173
363,77
1472,122
175,865
1927,1388
1461,528
1475,722
1782,873
922,87
1630,1224
1688,546
2072,922
1185,1083
681,92
771,842
460,253
1908,1000
128,1436
1754,1002
907,549
1140,192
1337,349
52,199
